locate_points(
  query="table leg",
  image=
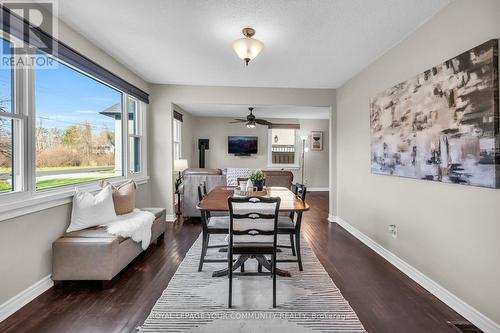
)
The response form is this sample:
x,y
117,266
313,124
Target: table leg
x,y
223,272
267,265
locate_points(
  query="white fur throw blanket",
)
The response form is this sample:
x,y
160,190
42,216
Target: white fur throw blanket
x,y
136,225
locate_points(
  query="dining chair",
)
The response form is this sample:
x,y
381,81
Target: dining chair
x,y
211,225
253,230
290,225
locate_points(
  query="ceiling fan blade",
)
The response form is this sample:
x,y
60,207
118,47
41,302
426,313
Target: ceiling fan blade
x,y
263,122
236,121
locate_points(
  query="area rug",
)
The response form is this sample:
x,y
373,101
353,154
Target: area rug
x,y
308,301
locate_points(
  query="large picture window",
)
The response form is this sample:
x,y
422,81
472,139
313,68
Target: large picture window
x,y
78,128
65,121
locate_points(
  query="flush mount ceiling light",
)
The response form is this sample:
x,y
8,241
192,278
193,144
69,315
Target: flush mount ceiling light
x,y
247,48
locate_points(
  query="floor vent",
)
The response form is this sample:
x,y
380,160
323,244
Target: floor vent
x,y
464,327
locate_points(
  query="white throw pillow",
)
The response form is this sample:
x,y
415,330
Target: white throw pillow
x,y
92,210
232,175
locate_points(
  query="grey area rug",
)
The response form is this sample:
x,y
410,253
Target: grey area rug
x,y
308,301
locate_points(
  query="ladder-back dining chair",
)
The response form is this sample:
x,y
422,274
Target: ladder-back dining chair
x,y
211,225
253,231
290,225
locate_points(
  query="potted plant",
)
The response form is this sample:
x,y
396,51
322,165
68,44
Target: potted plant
x,y
257,177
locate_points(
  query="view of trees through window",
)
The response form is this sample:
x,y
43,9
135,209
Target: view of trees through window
x,y
6,126
78,128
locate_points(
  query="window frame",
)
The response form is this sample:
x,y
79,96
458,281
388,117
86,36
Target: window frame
x,y
29,199
270,164
177,126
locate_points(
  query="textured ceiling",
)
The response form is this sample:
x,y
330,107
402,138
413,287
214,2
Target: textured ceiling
x,y
308,43
264,111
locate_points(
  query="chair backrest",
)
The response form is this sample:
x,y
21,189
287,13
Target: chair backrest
x,y
205,192
299,190
253,220
201,192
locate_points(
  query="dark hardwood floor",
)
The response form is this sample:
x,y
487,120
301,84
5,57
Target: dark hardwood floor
x,y
384,298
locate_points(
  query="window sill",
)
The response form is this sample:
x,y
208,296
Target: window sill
x,y
52,198
283,166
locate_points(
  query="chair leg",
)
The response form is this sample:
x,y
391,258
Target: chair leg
x,y
274,281
242,268
259,268
203,251
230,276
292,245
299,257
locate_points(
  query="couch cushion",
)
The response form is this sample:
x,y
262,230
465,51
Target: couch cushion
x,y
232,175
91,210
123,196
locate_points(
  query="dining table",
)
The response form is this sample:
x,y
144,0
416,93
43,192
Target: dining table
x,y
216,201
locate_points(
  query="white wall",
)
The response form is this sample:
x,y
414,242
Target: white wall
x,y
448,232
26,241
217,129
164,96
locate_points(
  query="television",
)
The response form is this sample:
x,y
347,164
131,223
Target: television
x,y
242,145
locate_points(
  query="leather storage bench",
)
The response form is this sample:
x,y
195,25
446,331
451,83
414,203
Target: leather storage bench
x,y
93,254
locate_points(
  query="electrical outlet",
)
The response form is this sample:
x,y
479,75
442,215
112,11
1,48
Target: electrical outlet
x,y
393,230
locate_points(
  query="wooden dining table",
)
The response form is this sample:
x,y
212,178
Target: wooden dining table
x,y
216,201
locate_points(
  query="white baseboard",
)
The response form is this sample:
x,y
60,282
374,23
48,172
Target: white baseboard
x,y
170,217
318,189
24,297
471,314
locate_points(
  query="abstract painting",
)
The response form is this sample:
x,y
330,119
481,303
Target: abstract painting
x,y
442,124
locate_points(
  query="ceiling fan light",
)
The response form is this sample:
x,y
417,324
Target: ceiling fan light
x,y
250,125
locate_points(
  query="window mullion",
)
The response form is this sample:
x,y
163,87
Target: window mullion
x,y
23,153
125,138
27,95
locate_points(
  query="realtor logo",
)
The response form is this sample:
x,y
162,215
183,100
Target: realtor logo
x,y
28,27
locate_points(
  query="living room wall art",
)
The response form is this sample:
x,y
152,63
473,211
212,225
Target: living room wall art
x,y
442,124
316,140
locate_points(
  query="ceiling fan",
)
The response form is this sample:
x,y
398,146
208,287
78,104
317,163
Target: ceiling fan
x,y
251,120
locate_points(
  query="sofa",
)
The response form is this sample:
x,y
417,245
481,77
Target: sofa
x,y
93,254
193,177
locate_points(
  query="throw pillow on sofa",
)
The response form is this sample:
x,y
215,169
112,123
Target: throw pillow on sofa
x,y
232,175
91,210
123,196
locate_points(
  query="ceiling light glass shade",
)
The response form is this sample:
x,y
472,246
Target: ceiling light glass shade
x,y
250,125
247,48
